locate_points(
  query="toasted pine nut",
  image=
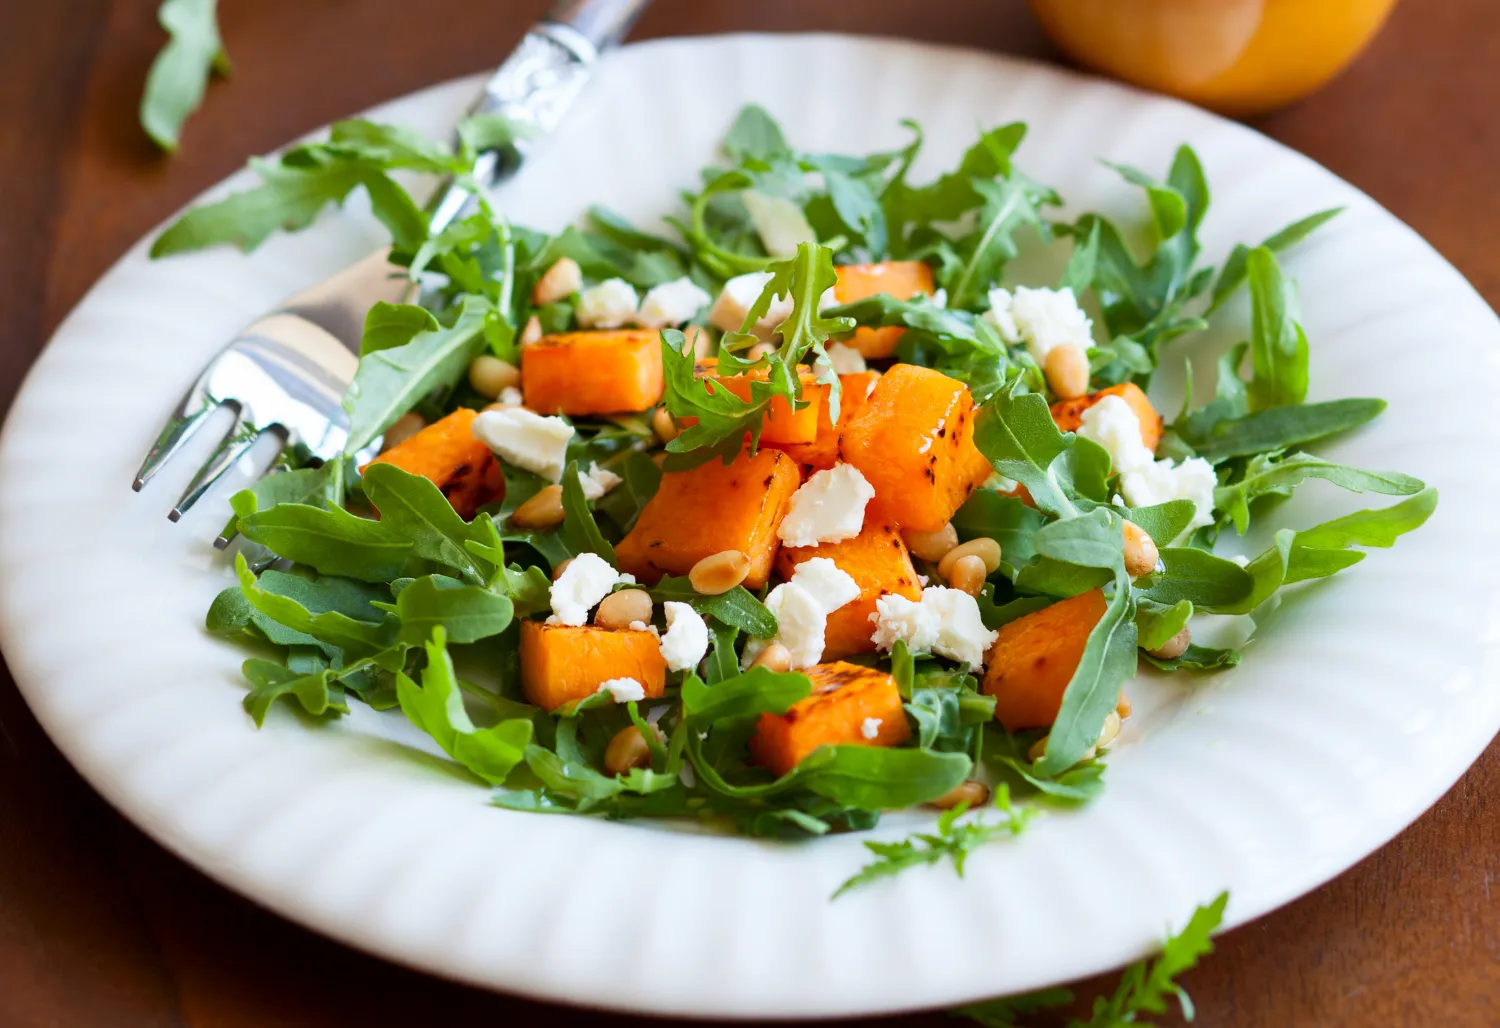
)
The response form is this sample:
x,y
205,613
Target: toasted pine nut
x,y
758,351
719,572
402,429
931,546
531,332
1067,371
562,566
976,794
774,657
985,548
700,341
1141,553
628,749
1174,647
490,375
1122,706
561,280
543,510
618,610
1110,730
662,424
967,575
1039,748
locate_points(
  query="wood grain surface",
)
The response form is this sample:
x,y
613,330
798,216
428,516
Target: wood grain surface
x,y
99,926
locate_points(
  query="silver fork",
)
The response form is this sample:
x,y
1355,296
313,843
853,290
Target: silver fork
x,y
287,372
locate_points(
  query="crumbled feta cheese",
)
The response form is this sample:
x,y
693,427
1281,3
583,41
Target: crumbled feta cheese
x,y
779,222
829,584
1166,480
610,304
641,626
526,439
1000,483
871,727
999,315
739,295
623,689
586,580
945,621
801,607
511,397
1114,425
829,508
597,481
846,360
686,639
939,298
671,303
1042,318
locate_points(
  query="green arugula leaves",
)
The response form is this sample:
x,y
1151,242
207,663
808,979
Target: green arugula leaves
x,y
179,75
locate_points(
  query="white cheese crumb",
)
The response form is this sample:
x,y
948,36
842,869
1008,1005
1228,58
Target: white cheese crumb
x,y
511,397
623,689
640,626
829,508
939,298
671,303
801,607
1000,483
610,304
1042,318
779,222
829,584
586,580
739,295
1114,425
526,439
686,639
1000,316
597,481
871,727
1165,480
945,622
846,360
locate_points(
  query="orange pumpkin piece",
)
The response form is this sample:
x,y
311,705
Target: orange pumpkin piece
x,y
913,440
601,372
878,562
901,279
1068,414
447,455
844,698
823,452
781,424
709,509
1034,658
561,663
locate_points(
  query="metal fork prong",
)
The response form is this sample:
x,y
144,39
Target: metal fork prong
x,y
237,442
230,534
174,436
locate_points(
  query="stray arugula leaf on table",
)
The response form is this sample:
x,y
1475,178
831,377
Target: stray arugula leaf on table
x,y
179,75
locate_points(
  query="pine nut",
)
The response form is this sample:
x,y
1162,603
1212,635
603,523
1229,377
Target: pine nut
x,y
562,566
1141,553
531,333
544,510
662,424
490,375
1122,706
1067,371
758,351
1174,647
1039,749
985,548
975,794
402,429
699,341
931,546
561,280
719,572
1110,730
618,610
774,657
628,749
967,575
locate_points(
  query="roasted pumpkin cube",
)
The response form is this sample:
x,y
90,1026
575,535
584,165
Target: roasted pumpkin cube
x,y
901,279
878,562
1068,414
709,509
1034,658
561,663
602,372
913,440
780,424
849,705
823,452
447,455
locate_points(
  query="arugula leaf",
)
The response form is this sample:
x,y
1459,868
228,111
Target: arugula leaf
x,y
413,507
331,540
877,778
388,383
757,691
317,693
437,707
1196,576
1278,346
389,325
317,487
333,627
1158,622
464,613
1277,475
952,840
1233,272
737,607
1018,435
579,530
232,613
1163,521
179,75
1004,1012
1282,427
754,134
640,478
1009,204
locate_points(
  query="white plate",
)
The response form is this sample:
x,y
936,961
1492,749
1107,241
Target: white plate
x,y
1354,710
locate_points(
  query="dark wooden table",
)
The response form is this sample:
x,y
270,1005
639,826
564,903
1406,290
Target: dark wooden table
x,y
99,926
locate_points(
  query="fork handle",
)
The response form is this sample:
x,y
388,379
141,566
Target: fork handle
x,y
536,85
